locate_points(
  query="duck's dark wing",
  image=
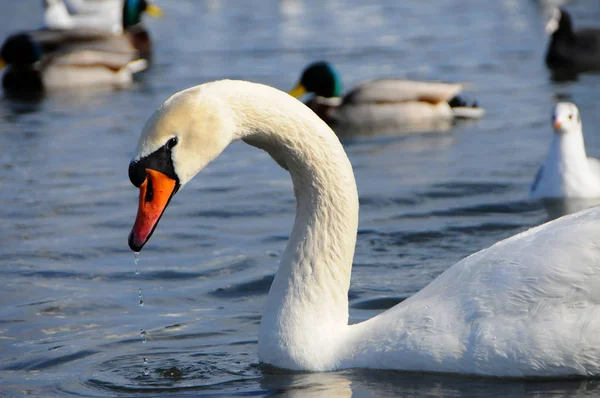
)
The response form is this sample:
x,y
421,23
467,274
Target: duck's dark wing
x,y
588,39
587,48
580,52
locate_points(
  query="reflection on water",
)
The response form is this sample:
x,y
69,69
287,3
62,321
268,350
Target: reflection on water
x,y
288,384
367,383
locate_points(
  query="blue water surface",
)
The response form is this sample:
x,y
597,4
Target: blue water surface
x,y
71,322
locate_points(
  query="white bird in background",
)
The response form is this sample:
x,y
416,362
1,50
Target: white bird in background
x,y
103,16
567,171
526,306
92,6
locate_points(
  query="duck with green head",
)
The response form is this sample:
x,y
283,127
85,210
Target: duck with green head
x,y
49,59
381,106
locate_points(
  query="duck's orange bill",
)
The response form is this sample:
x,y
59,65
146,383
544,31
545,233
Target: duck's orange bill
x,y
155,193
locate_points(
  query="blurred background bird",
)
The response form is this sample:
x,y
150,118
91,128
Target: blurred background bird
x,y
571,50
382,105
567,171
80,50
111,16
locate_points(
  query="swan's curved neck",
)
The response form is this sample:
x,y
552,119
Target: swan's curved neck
x,y
308,300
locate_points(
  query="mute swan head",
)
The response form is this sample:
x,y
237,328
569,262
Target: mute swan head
x,y
187,132
566,119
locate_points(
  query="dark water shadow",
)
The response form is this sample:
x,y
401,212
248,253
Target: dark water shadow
x,y
561,207
569,74
380,383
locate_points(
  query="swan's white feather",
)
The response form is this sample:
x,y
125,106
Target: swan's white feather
x,y
527,306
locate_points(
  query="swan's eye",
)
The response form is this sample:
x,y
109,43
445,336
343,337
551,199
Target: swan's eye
x,y
571,117
171,143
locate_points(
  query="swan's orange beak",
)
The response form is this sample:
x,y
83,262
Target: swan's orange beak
x,y
557,124
155,193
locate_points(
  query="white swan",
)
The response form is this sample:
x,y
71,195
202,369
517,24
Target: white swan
x,y
567,171
527,306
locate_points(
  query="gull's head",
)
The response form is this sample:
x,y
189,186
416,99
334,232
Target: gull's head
x,y
566,119
187,132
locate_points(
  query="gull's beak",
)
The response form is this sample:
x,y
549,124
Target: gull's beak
x,y
154,10
155,193
298,91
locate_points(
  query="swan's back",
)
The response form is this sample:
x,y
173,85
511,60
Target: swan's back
x,y
526,306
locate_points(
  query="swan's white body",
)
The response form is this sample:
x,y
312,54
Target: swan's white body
x,y
567,171
527,306
102,16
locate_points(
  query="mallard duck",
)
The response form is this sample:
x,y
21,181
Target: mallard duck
x,y
383,105
528,306
50,59
130,35
569,49
567,171
30,72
